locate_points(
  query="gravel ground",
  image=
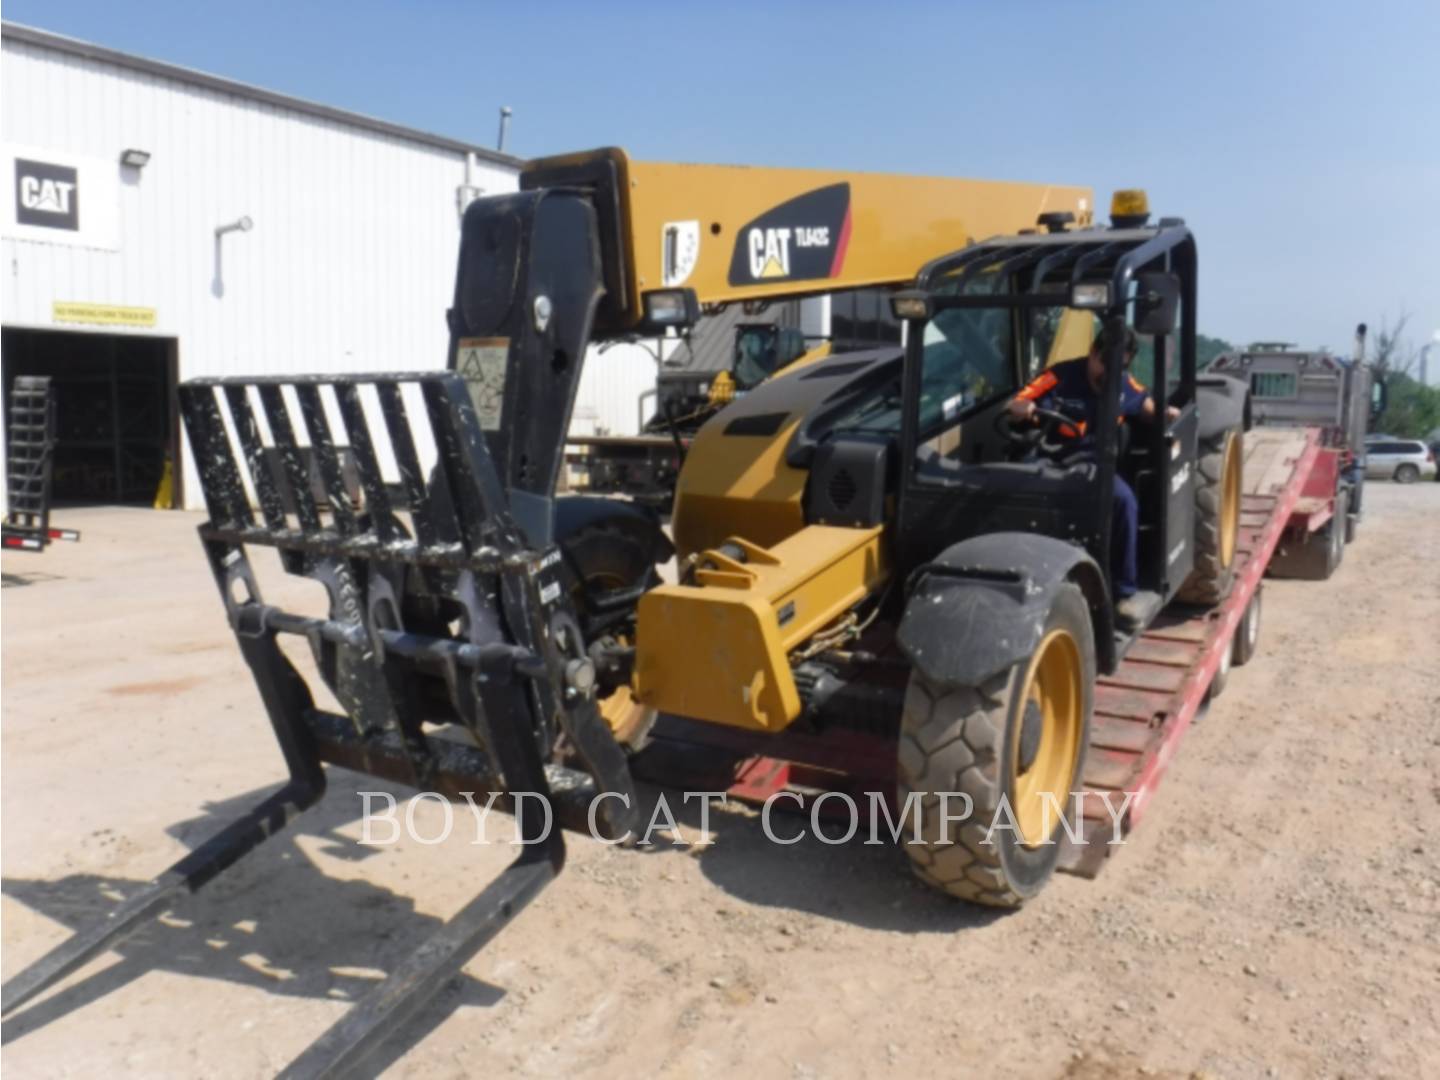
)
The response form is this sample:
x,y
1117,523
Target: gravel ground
x,y
1278,913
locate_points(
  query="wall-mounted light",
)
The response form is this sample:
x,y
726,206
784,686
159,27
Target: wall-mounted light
x,y
136,159
243,224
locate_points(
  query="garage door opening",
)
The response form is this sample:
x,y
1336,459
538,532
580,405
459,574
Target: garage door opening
x,y
116,424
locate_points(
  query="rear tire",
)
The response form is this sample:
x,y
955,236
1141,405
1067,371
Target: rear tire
x,y
1219,488
1406,474
971,739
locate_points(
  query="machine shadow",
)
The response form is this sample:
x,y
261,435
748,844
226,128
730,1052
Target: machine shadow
x,y
865,884
34,577
256,924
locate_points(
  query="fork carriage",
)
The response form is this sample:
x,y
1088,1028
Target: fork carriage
x,y
452,619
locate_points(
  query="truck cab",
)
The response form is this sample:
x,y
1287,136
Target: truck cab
x,y
1299,388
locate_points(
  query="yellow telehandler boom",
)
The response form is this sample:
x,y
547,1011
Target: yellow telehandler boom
x,y
722,234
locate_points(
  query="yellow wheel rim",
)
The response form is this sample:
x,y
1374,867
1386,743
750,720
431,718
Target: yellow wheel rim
x,y
1230,499
1047,741
628,719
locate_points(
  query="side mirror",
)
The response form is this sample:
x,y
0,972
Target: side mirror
x,y
1379,397
1157,300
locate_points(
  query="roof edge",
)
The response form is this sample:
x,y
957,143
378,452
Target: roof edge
x,y
30,35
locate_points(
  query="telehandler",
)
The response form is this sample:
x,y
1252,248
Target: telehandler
x,y
872,545
464,595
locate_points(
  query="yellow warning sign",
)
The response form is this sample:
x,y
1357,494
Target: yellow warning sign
x,y
71,311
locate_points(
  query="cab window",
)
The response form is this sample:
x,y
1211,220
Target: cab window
x,y
967,362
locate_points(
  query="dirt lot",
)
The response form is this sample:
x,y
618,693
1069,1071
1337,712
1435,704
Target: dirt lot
x,y
1278,914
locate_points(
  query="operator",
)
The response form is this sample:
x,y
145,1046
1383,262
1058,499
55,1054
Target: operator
x,y
1073,387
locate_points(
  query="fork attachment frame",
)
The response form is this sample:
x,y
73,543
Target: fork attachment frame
x,y
440,613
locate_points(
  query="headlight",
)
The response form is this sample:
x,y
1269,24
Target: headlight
x,y
665,308
911,304
1090,294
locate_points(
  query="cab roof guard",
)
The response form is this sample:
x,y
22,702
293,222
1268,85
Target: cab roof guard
x,y
1073,257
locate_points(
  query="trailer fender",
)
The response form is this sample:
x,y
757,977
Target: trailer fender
x,y
979,607
1223,404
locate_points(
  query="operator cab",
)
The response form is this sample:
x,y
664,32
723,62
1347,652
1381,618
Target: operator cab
x,y
982,323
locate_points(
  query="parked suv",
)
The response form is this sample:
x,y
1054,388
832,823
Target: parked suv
x,y
1404,460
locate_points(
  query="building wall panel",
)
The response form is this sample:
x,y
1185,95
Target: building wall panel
x,y
349,265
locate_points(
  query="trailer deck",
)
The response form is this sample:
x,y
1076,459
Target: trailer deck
x,y
1142,710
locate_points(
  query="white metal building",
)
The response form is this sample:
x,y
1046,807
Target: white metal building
x,y
161,224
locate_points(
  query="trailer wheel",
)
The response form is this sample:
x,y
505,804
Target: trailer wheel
x,y
1007,744
1221,676
1352,518
1247,634
1218,491
1319,556
1336,529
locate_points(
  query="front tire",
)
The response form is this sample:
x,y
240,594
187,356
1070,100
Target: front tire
x,y
1008,744
1218,492
600,562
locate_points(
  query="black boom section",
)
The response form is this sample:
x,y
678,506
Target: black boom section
x,y
440,612
526,293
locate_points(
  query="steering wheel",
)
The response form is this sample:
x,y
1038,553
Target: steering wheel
x,y
1044,434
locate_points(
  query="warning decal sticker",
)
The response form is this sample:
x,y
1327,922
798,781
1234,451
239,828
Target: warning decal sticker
x,y
482,363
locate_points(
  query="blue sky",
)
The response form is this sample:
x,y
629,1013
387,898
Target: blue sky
x,y
1301,140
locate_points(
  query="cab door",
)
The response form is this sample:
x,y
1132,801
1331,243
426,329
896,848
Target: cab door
x,y
1182,461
